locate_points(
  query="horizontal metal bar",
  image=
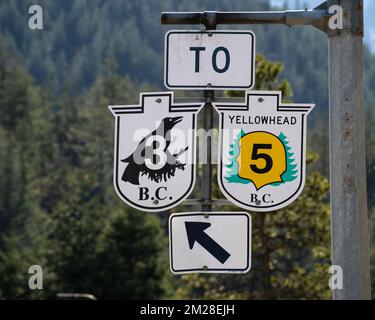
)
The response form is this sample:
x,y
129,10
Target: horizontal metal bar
x,y
317,17
288,17
199,202
203,99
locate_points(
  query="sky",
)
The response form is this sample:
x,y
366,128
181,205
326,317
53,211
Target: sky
x,y
369,6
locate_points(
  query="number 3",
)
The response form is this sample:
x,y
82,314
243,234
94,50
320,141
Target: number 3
x,y
155,157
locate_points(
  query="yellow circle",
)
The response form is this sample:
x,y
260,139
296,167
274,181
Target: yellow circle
x,y
262,158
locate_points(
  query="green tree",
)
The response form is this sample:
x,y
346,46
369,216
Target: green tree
x,y
131,264
266,78
290,173
58,208
24,135
290,247
121,252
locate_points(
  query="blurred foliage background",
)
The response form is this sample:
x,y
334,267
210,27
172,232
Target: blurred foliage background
x,y
58,207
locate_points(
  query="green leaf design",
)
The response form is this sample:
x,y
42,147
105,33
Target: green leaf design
x,y
232,168
232,172
291,172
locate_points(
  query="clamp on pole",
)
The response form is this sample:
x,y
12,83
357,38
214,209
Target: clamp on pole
x,y
210,20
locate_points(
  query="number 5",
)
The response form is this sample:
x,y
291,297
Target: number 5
x,y
266,157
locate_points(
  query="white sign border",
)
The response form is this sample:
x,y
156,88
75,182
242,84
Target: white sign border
x,y
186,87
304,107
211,270
139,108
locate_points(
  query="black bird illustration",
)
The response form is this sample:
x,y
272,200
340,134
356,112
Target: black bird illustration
x,y
136,161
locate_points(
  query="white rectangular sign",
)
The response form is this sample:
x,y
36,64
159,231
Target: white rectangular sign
x,y
209,59
217,243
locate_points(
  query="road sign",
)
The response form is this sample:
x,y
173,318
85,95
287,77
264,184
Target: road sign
x,y
217,242
209,59
154,167
262,150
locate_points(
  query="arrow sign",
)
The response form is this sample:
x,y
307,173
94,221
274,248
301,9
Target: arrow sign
x,y
195,233
220,243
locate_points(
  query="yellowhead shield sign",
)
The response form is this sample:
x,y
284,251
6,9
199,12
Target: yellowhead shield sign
x,y
262,150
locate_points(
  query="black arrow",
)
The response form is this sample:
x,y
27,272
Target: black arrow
x,y
195,233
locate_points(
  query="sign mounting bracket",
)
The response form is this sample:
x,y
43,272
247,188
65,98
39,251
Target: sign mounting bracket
x,y
317,17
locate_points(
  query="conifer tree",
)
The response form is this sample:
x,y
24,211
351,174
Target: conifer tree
x,y
290,247
24,131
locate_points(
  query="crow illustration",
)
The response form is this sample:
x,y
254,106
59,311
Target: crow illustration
x,y
136,161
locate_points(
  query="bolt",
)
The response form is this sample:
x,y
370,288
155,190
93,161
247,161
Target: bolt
x,y
260,100
206,216
156,201
205,268
158,100
210,34
209,85
257,202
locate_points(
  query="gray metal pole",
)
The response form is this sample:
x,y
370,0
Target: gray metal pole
x,y
347,154
208,116
207,167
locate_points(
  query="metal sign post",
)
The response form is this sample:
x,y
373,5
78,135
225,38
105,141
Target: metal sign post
x,y
208,122
347,150
347,154
206,183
